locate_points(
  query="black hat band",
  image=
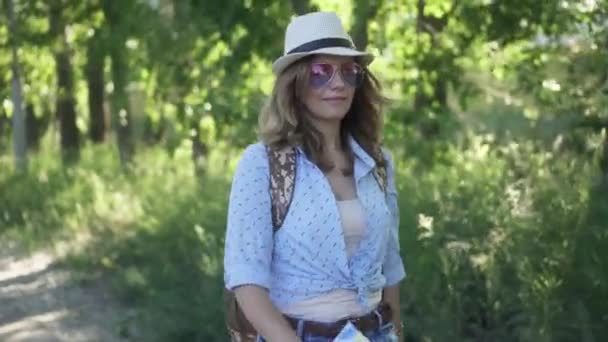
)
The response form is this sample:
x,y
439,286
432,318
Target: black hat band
x,y
321,44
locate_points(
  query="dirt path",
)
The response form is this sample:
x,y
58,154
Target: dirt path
x,y
39,302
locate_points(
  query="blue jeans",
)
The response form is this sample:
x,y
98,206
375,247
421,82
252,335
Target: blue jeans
x,y
385,333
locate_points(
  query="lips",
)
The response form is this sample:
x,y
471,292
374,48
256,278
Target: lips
x,y
335,99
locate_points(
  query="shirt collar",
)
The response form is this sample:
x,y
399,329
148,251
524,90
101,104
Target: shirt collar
x,y
357,150
360,152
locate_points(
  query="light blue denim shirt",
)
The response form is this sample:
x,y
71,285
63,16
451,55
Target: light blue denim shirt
x,y
307,256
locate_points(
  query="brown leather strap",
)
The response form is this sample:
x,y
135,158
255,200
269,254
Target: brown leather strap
x,y
365,323
282,164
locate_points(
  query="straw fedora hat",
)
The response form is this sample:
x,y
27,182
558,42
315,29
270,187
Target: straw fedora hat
x,y
317,33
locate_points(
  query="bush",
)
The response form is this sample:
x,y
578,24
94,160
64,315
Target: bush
x,y
490,235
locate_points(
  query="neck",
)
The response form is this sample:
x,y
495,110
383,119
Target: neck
x,y
330,130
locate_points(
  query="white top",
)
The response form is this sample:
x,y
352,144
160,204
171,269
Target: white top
x,y
339,303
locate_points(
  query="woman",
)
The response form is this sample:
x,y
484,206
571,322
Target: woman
x,y
336,257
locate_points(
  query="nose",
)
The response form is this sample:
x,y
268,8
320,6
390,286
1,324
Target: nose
x,y
337,81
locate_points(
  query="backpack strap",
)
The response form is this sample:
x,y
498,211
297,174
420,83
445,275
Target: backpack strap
x,y
282,164
380,173
381,177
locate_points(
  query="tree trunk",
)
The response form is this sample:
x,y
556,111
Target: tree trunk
x,y
421,100
604,163
95,84
66,111
19,134
121,116
2,122
66,104
154,132
199,151
364,10
33,128
301,6
4,131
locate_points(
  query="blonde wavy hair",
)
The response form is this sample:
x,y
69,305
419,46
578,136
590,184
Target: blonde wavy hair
x,y
285,121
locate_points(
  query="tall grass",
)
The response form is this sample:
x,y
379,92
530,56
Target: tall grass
x,y
492,237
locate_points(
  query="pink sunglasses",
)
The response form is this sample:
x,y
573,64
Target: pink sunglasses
x,y
321,74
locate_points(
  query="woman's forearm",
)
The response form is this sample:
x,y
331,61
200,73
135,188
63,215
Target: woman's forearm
x,y
391,296
263,315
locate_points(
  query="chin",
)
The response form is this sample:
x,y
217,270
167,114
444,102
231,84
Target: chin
x,y
335,113
332,116
330,113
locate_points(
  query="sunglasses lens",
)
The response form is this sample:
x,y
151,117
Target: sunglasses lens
x,y
352,73
320,74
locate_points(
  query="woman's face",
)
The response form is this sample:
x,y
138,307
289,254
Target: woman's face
x,y
331,87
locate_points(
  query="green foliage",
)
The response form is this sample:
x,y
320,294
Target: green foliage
x,y
501,241
157,232
490,237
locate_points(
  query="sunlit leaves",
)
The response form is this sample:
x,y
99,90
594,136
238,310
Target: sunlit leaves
x,y
438,8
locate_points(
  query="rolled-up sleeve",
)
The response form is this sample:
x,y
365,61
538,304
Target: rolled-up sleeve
x,y
249,233
393,268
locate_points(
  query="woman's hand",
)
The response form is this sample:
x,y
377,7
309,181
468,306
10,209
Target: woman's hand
x,y
398,330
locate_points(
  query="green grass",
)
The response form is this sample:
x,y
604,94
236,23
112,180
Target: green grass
x,y
502,242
